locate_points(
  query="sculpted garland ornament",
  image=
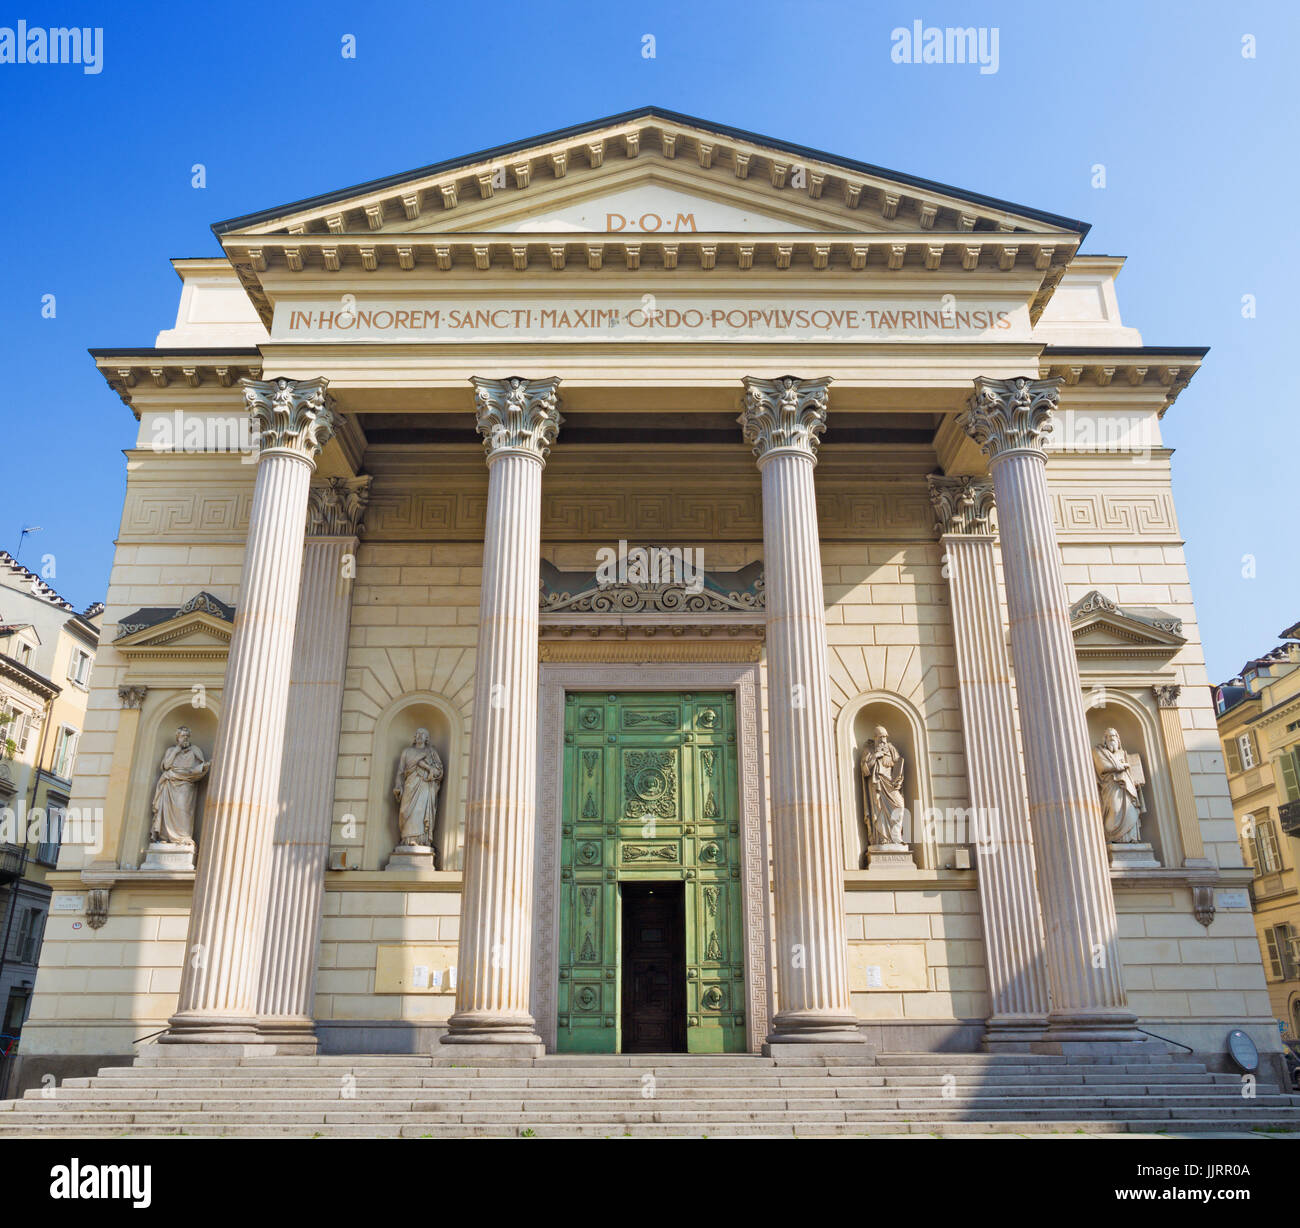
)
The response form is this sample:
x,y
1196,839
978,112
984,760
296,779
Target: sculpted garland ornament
x,y
784,415
1010,415
293,415
517,415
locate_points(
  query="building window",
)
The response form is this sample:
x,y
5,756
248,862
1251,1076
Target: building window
x,y
1281,955
79,668
30,930
1264,849
65,752
24,654
1246,749
47,852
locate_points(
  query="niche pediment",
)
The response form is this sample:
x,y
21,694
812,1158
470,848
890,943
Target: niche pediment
x,y
1103,628
200,628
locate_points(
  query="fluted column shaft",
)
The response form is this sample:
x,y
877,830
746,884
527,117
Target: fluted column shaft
x,y
782,420
1007,876
518,419
300,853
1010,418
219,982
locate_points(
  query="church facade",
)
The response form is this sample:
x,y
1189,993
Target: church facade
x,y
651,587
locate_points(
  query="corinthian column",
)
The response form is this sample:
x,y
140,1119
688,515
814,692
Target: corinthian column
x,y
783,421
219,981
1009,419
519,420
311,742
1013,921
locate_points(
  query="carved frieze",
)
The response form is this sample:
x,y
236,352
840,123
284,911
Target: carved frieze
x,y
715,592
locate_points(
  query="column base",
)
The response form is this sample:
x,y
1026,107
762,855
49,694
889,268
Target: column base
x,y
484,1034
211,1028
1013,1033
290,1034
812,1038
1096,1033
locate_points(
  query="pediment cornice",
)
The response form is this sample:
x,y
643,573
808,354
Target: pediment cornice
x,y
1102,628
199,629
682,147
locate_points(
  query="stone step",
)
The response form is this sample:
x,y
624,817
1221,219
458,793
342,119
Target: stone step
x,y
561,1094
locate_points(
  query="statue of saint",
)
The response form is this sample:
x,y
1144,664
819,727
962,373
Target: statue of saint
x,y
1119,791
176,793
882,788
419,777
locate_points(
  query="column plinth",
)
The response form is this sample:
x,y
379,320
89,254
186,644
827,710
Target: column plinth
x,y
1009,419
1004,850
218,997
783,420
519,420
300,853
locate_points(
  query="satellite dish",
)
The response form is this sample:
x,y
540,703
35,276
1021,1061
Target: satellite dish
x,y
1242,1050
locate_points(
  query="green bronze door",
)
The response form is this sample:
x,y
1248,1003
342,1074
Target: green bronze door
x,y
650,795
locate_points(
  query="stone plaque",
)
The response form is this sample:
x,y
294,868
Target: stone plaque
x,y
888,967
423,969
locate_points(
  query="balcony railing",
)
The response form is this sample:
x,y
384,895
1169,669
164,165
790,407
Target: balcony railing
x,y
13,858
1288,815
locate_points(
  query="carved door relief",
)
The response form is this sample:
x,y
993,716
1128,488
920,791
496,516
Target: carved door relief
x,y
650,795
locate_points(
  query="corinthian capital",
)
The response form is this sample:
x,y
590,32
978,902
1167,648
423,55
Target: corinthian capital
x,y
517,415
335,508
962,504
292,415
784,415
1009,415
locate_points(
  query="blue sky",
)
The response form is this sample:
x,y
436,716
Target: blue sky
x,y
1199,145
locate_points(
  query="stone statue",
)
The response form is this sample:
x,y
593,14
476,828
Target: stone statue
x,y
884,810
1118,789
419,778
176,793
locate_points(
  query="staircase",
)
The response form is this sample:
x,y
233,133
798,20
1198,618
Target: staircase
x,y
652,1096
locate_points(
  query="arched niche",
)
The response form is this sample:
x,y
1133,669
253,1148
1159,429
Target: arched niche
x,y
394,731
855,726
1139,731
163,714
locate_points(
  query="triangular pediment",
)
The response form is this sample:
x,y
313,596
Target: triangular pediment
x,y
1101,627
655,165
199,628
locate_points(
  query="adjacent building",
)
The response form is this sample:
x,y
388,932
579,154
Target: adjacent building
x,y
1259,723
47,653
650,587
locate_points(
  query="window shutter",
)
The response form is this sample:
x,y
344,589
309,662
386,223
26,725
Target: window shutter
x,y
1274,955
1234,759
1290,775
